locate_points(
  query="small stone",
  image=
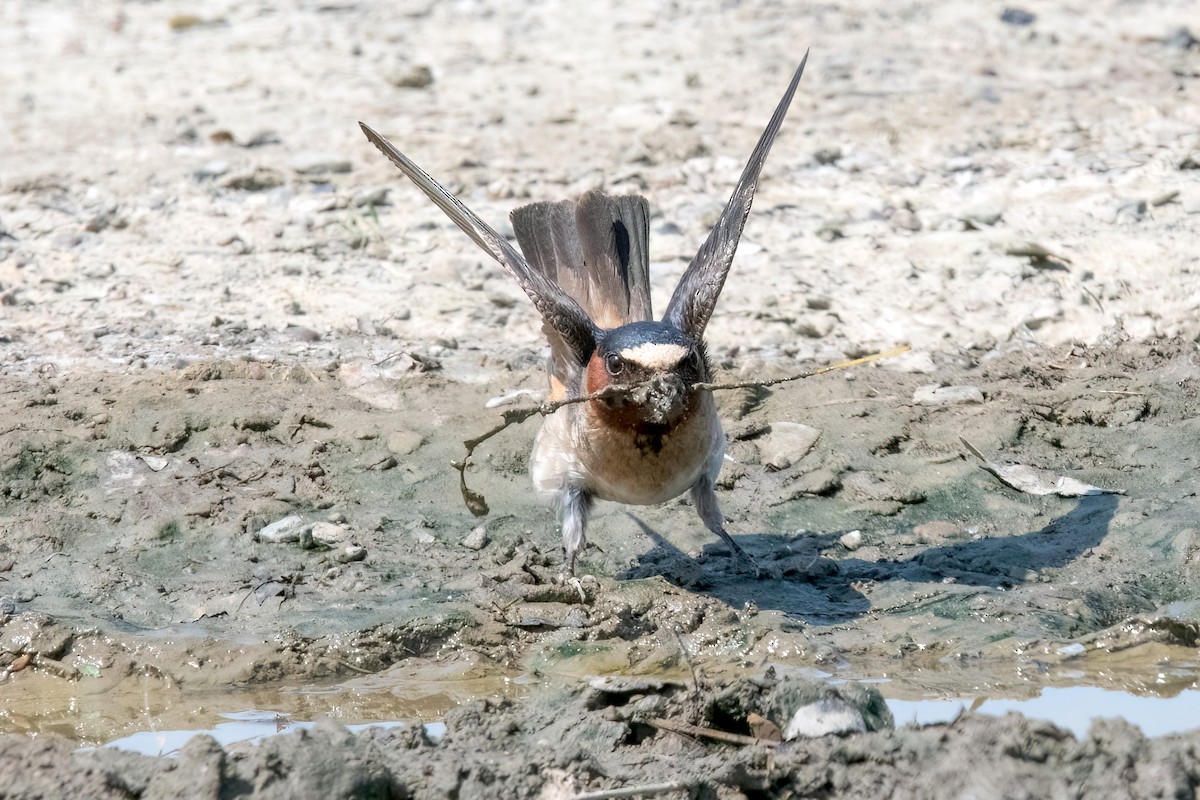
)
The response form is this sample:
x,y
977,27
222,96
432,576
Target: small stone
x,y
401,443
984,216
815,326
826,716
852,540
257,180
301,333
411,76
785,444
1131,211
477,539
8,607
318,164
905,219
821,482
24,595
351,553
329,534
1017,16
284,530
423,536
337,518
211,170
369,196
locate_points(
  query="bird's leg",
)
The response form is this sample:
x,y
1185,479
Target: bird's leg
x,y
710,513
574,504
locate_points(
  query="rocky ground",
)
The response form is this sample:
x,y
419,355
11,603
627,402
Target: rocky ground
x,y
238,354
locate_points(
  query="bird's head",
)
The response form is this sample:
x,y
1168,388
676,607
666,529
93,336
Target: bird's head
x,y
657,362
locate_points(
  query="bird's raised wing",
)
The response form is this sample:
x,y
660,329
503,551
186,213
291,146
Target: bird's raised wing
x,y
557,309
696,295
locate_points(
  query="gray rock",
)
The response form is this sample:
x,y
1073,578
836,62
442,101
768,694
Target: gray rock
x,y
285,530
329,534
411,76
828,715
351,553
477,539
319,164
785,444
852,540
401,443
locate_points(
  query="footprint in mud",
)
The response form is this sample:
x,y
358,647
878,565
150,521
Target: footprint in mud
x,y
805,584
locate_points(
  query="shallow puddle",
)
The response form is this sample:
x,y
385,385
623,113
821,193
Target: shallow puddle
x,y
1072,708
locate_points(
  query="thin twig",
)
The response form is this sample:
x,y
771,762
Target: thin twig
x,y
477,504
688,729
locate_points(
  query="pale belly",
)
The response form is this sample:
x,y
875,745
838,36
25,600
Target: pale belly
x,y
620,466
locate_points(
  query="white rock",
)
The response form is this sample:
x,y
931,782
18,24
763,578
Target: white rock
x,y
785,444
329,534
285,530
477,539
830,715
351,552
401,443
852,540
934,395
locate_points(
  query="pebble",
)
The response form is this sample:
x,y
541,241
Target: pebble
x,y
815,326
904,219
351,553
983,216
1131,211
826,716
423,536
8,607
211,170
312,163
330,534
410,76
934,395
401,443
477,539
24,595
852,540
256,180
285,530
785,444
914,361
370,196
1017,16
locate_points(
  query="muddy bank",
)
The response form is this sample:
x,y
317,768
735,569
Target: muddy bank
x,y
565,744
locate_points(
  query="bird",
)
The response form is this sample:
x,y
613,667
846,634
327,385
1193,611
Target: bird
x,y
584,263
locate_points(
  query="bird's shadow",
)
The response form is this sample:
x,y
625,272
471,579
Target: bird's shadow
x,y
805,584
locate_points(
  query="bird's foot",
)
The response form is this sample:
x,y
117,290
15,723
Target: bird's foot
x,y
745,562
578,583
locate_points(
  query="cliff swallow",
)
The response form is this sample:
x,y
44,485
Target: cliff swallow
x,y
586,268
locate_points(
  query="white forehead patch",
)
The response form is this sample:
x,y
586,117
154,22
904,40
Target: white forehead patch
x,y
655,356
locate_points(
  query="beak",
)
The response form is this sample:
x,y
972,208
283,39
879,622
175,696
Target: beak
x,y
662,399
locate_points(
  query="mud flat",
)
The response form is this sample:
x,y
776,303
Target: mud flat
x,y
237,356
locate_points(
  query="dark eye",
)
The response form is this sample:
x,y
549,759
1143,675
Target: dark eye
x,y
614,364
